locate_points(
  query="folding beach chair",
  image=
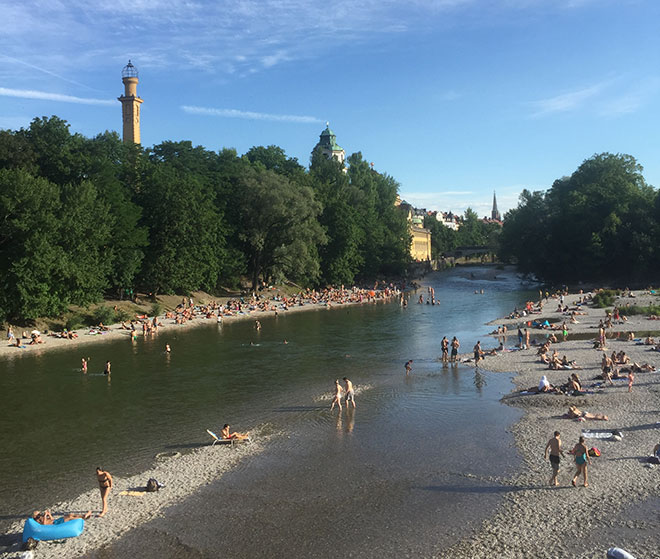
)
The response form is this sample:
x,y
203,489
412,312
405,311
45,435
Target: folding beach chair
x,y
216,439
220,440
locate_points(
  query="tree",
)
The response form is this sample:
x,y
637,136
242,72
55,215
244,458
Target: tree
x,y
186,242
279,227
596,224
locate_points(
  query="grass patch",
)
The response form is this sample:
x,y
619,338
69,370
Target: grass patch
x,y
636,310
604,298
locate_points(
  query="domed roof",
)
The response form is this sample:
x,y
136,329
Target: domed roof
x,y
129,71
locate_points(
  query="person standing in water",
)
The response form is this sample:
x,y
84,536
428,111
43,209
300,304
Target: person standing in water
x,y
555,452
444,345
106,369
84,365
350,392
105,484
477,353
337,398
455,344
408,366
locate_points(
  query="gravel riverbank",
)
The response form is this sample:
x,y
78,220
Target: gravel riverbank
x,y
540,521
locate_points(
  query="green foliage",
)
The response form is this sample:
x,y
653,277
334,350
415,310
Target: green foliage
x,y
104,314
651,310
82,218
156,309
74,322
122,315
604,298
599,223
280,232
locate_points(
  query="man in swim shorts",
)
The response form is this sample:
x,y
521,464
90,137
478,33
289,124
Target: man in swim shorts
x,y
554,448
445,349
455,344
350,392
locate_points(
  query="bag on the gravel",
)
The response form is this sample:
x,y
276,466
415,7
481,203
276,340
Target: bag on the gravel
x,y
152,485
593,451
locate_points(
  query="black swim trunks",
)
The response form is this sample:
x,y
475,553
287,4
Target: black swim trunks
x,y
554,461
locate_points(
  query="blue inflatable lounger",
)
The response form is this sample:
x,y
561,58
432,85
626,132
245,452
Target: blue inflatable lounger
x,y
56,531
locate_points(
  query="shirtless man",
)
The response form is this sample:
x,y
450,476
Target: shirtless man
x,y
46,518
105,485
554,448
477,353
106,369
455,344
350,392
337,398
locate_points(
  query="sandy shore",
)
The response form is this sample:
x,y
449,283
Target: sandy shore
x,y
182,474
536,520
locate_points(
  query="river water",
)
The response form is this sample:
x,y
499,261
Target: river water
x,y
386,479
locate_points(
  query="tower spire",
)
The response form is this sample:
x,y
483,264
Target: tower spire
x,y
130,104
495,214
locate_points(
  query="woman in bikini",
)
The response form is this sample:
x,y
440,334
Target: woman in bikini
x,y
105,484
227,435
581,454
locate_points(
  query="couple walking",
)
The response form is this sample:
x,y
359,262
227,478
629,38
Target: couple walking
x,y
580,453
349,397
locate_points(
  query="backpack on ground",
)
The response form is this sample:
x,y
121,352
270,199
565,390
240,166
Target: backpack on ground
x,y
152,485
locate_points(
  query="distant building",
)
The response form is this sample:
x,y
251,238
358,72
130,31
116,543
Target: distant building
x,y
420,246
448,219
130,104
329,146
495,214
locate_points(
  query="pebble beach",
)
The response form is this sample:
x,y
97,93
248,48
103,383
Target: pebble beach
x,y
620,506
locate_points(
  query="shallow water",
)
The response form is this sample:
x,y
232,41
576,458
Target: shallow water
x,y
402,450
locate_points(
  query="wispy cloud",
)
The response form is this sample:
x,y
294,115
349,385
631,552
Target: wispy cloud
x,y
46,96
610,98
249,115
565,102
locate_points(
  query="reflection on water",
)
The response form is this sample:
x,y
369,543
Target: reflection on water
x,y
415,426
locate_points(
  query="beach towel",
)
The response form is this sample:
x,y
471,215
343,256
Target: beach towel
x,y
133,493
597,434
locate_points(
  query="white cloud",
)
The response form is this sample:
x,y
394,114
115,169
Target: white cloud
x,y
250,115
566,101
46,96
614,97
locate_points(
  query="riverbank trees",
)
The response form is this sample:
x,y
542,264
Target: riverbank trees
x,y
601,223
81,218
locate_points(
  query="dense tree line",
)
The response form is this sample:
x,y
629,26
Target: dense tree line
x,y
82,218
602,223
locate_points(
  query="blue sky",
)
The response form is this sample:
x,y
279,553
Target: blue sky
x,y
453,98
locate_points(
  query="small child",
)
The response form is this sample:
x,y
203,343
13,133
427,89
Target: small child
x,y
631,379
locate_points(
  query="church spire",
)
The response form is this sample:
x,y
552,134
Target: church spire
x,y
495,214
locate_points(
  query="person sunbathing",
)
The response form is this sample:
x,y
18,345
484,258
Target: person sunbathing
x,y
572,364
576,413
574,382
46,518
227,435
